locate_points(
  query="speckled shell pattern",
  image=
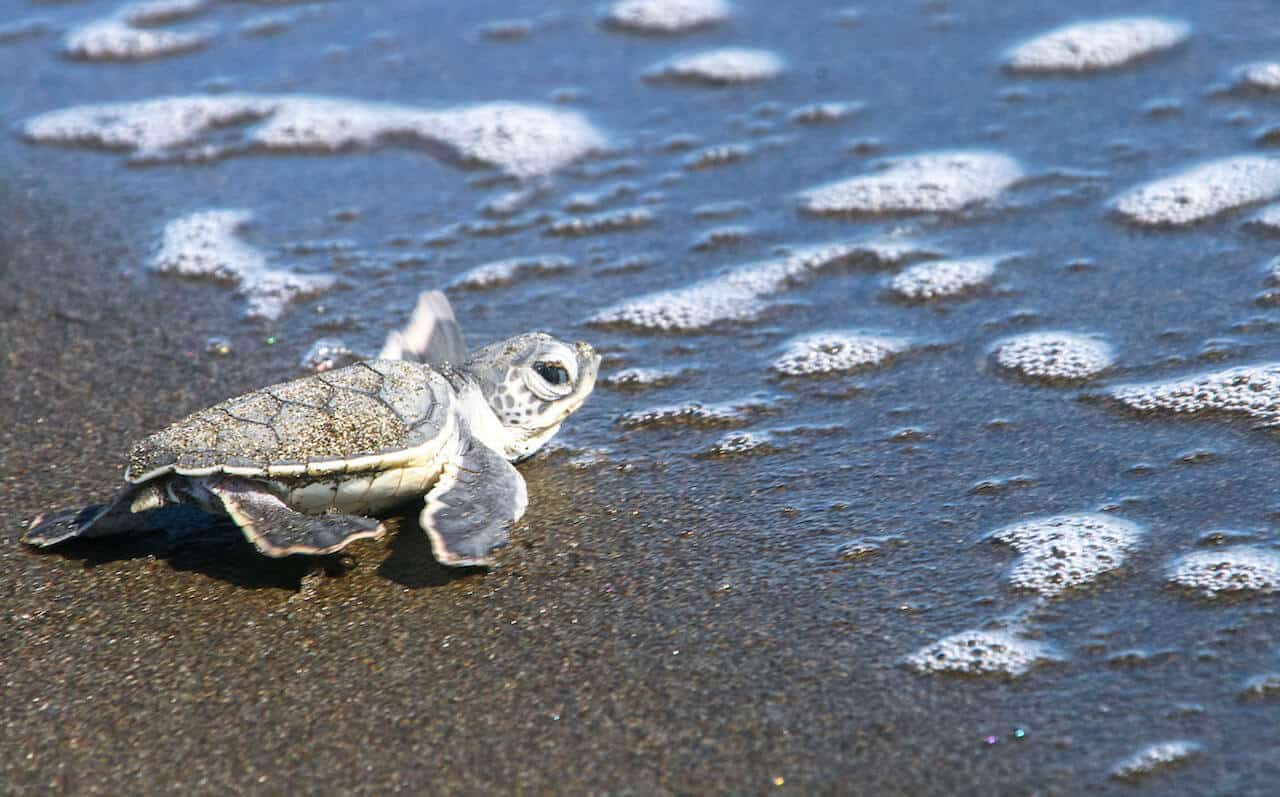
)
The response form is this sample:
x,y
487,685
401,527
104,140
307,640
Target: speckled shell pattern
x,y
347,439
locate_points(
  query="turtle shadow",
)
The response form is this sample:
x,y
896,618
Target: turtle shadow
x,y
192,541
410,562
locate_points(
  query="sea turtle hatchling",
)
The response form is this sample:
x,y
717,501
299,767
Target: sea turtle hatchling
x,y
302,466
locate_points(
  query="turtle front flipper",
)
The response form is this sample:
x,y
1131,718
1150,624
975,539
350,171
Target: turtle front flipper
x,y
99,520
276,530
432,335
469,511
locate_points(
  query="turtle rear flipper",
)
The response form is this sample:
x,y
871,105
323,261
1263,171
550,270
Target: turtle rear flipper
x,y
55,527
99,520
276,530
469,511
432,335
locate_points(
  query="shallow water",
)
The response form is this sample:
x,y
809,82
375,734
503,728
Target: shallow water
x,y
707,499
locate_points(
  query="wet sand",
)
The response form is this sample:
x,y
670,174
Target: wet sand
x,y
638,637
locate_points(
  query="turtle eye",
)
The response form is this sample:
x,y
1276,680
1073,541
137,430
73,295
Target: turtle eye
x,y
552,372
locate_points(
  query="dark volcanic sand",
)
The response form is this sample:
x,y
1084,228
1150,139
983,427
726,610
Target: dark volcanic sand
x,y
632,640
625,644
635,639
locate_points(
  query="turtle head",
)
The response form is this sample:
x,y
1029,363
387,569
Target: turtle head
x,y
532,382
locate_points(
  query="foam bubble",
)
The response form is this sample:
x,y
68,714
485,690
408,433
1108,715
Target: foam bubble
x,y
857,549
722,238
1093,46
933,182
326,354
944,278
712,157
505,272
1234,569
644,378
694,413
740,443
978,653
619,220
1063,552
1262,687
836,352
1266,219
1251,390
523,140
206,245
667,16
584,202
115,39
739,295
825,112
1156,757
262,25
1202,192
723,67
1054,356
1261,77
161,12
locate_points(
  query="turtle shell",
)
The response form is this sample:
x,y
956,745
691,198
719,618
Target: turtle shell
x,y
357,418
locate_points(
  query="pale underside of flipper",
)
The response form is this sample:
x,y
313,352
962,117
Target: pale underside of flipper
x,y
432,336
469,512
276,530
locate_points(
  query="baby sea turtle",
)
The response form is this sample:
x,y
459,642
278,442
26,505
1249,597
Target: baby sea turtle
x,y
301,466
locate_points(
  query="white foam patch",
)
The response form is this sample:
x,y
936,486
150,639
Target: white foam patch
x,y
206,245
667,16
1251,390
693,413
1155,758
607,221
505,272
1233,569
1266,219
932,182
837,351
115,39
722,67
945,278
523,140
1063,552
1202,192
740,294
738,443
644,378
982,653
1099,45
1263,76
825,112
712,157
1054,355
